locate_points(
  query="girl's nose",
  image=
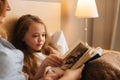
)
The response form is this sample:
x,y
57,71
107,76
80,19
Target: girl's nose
x,y
40,38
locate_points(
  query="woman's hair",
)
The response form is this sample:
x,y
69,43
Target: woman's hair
x,y
3,6
20,29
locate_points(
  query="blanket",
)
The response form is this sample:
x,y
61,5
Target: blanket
x,y
106,67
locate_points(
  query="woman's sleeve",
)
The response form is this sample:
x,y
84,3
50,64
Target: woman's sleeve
x,y
6,64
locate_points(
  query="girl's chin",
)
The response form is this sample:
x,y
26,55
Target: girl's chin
x,y
38,49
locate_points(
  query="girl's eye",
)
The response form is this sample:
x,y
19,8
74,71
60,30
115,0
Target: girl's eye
x,y
35,35
43,35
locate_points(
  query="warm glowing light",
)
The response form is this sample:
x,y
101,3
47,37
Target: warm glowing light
x,y
86,9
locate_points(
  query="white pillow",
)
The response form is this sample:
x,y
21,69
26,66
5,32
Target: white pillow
x,y
59,38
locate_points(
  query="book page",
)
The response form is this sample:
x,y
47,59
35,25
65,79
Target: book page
x,y
74,55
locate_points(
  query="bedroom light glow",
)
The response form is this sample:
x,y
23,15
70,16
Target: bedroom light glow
x,y
86,9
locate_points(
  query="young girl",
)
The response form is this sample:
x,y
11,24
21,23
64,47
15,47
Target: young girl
x,y
30,35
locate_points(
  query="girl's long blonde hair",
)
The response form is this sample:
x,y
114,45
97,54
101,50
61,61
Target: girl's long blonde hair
x,y
20,29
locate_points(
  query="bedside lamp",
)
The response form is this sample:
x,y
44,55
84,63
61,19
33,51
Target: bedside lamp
x,y
86,9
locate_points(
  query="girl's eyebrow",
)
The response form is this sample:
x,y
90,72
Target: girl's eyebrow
x,y
40,33
43,32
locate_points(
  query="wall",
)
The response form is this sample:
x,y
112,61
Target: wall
x,y
73,26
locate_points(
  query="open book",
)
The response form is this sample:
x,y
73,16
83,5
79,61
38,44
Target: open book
x,y
80,54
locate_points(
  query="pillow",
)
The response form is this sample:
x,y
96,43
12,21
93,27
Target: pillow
x,y
59,38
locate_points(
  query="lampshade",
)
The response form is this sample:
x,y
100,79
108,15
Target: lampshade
x,y
86,9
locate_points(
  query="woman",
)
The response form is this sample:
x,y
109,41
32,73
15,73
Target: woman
x,y
11,59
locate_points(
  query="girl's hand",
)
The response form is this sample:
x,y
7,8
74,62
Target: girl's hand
x,y
53,60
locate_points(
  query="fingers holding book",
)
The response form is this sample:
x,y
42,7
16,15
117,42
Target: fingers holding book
x,y
69,74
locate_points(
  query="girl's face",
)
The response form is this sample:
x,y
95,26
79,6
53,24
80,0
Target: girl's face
x,y
35,36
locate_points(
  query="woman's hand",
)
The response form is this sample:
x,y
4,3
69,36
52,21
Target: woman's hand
x,y
51,76
72,74
68,75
